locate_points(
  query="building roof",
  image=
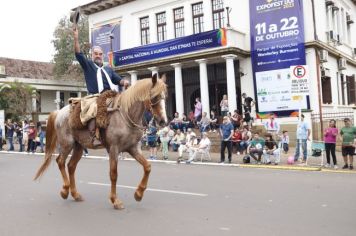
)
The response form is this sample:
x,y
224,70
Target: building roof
x,y
101,5
27,69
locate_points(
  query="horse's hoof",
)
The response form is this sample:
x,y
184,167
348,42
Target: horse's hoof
x,y
78,198
138,196
64,194
118,205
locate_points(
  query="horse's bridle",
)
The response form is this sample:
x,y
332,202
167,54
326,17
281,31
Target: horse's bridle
x,y
148,106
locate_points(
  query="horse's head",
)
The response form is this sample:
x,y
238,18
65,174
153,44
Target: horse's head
x,y
158,99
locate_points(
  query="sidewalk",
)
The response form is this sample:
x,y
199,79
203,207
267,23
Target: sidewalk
x,y
313,162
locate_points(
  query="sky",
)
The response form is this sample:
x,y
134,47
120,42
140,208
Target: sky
x,y
27,26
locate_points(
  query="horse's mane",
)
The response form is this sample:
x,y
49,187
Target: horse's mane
x,y
141,91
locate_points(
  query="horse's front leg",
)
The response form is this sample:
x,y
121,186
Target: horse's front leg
x,y
72,165
136,153
118,204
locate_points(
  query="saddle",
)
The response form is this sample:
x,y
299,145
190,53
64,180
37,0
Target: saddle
x,y
104,105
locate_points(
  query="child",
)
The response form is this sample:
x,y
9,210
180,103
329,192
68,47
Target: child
x,y
285,141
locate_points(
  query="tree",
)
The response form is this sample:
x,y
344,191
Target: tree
x,y
64,59
16,99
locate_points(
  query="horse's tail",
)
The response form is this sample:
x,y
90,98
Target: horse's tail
x,y
51,143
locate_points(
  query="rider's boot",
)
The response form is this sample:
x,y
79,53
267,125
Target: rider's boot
x,y
92,129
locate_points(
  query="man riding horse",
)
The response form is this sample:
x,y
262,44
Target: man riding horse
x,y
98,78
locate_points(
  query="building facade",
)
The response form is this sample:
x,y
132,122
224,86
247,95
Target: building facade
x,y
50,94
226,68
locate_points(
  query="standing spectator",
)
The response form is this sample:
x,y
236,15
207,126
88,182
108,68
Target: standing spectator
x,y
0,138
247,105
303,133
272,126
204,123
226,132
25,129
203,147
348,134
256,147
19,134
152,139
32,133
41,135
213,121
236,119
10,134
224,106
86,153
197,110
163,135
271,148
236,140
285,141
330,135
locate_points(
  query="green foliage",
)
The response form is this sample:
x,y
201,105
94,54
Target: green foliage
x,y
16,99
64,49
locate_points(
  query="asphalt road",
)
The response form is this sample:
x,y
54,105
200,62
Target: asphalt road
x,y
181,200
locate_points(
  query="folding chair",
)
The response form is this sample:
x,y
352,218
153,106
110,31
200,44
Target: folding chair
x,y
317,146
205,153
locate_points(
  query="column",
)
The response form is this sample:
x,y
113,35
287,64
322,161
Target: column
x,y
34,101
79,94
57,101
231,85
204,88
178,82
154,70
133,75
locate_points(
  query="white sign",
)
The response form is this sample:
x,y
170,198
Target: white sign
x,y
299,80
2,122
274,91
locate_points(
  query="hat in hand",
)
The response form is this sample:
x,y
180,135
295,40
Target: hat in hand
x,y
74,16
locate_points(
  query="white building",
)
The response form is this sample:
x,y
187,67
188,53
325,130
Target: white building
x,y
329,32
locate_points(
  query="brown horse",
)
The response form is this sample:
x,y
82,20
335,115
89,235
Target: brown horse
x,y
122,135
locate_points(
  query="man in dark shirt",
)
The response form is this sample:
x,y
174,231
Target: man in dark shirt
x,y
98,78
10,134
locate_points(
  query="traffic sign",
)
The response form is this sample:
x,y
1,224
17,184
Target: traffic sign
x,y
299,80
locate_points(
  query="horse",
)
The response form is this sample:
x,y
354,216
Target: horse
x,y
123,134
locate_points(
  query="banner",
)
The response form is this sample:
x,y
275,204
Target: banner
x,y
277,42
195,42
100,36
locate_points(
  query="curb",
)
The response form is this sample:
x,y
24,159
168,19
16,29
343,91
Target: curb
x,y
296,168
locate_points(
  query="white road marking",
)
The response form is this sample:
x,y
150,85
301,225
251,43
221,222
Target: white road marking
x,y
154,190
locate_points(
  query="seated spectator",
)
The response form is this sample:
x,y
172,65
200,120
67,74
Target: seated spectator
x,y
186,123
204,123
236,119
285,141
246,137
177,140
236,139
213,121
256,147
271,148
202,147
176,122
188,147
